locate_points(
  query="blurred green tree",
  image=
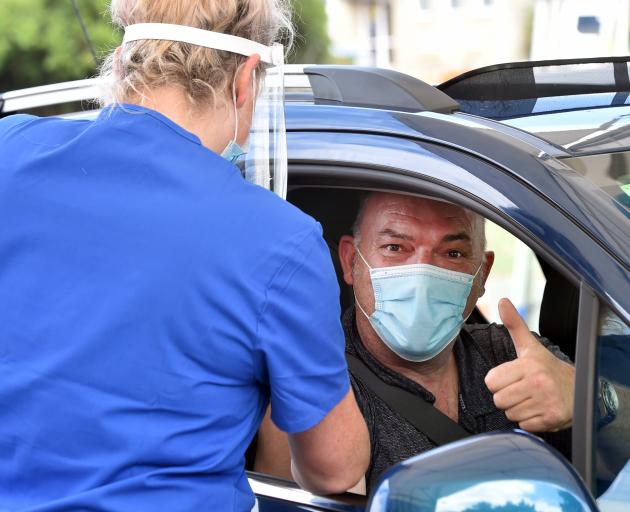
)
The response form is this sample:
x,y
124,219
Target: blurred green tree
x,y
312,44
42,41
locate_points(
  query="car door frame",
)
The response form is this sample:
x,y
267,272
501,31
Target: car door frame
x,y
371,176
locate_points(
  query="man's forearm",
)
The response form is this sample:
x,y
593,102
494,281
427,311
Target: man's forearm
x,y
272,452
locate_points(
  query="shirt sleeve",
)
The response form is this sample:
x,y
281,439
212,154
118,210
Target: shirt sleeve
x,y
301,338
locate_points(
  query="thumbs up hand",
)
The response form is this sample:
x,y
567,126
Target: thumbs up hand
x,y
536,389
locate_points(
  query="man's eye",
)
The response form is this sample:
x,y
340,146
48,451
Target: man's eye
x,y
454,254
393,247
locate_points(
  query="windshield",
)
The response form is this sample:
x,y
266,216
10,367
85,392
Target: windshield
x,y
581,131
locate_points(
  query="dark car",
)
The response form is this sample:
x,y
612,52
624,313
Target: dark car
x,y
541,149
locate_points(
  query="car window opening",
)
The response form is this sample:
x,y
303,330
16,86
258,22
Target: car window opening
x,y
537,299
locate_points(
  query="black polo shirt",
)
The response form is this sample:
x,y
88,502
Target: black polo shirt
x,y
478,349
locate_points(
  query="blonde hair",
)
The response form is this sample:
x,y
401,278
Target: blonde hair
x,y
204,75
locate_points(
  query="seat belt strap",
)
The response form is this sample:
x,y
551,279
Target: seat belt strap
x,y
428,420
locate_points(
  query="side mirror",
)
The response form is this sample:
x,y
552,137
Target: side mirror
x,y
506,471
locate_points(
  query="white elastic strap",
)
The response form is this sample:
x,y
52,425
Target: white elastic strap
x,y
364,260
356,301
199,37
235,110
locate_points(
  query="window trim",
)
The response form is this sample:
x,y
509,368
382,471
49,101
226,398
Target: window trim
x,y
584,432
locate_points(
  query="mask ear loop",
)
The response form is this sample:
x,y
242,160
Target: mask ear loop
x,y
234,102
364,260
356,301
235,110
478,269
474,276
254,96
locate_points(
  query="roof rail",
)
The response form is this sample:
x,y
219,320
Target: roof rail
x,y
537,79
335,85
65,92
524,88
375,88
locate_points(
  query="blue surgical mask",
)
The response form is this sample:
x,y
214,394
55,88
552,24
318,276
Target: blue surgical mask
x,y
232,151
418,309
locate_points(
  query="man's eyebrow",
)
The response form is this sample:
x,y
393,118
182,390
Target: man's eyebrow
x,y
455,237
395,234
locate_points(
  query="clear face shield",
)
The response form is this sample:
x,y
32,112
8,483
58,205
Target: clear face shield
x,y
265,162
266,158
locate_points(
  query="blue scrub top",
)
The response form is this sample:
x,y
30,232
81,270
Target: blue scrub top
x,y
151,303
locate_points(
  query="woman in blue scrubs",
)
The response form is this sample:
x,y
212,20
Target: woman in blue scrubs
x,y
153,302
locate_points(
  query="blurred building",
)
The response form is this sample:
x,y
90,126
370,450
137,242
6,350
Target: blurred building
x,y
437,39
361,31
579,28
430,39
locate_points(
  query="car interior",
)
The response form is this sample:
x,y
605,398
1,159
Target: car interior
x,y
335,209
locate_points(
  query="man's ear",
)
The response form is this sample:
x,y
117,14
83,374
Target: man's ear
x,y
244,78
488,261
347,253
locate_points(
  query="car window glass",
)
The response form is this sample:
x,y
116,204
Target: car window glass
x,y
610,173
612,406
516,274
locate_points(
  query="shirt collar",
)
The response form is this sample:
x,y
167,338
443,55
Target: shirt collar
x,y
132,109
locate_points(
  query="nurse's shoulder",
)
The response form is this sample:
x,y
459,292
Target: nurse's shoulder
x,y
9,123
274,217
26,128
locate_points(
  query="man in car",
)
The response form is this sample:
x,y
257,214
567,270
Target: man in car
x,y
417,267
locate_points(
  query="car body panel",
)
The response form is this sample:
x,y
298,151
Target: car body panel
x,y
278,495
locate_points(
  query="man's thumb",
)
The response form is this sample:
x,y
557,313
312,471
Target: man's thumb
x,y
519,332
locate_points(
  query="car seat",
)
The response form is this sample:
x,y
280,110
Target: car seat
x,y
559,310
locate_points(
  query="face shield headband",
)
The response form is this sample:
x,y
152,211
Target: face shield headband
x,y
266,161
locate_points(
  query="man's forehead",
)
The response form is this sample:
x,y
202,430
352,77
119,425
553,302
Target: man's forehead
x,y
401,208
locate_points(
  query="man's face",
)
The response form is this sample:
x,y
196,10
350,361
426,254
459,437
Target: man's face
x,y
403,230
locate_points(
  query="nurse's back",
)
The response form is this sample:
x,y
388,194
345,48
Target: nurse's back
x,y
134,265
152,302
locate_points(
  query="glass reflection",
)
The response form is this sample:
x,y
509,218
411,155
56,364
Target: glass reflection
x,y
510,496
610,173
612,421
495,472
580,131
